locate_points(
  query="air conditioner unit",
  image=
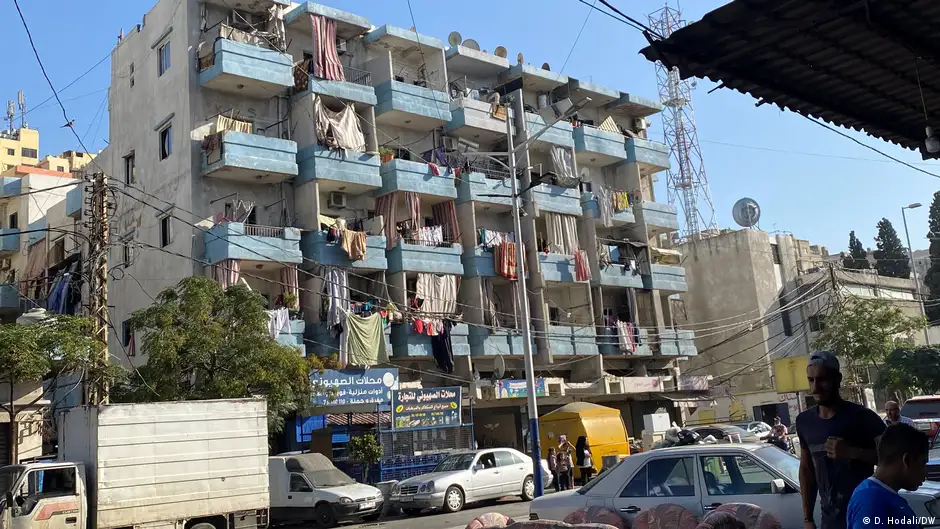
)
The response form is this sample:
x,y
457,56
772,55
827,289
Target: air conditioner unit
x,y
337,201
640,124
5,264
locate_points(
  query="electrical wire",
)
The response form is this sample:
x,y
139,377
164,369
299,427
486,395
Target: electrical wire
x,y
576,39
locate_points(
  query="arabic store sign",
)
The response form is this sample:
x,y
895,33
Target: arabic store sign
x,y
425,408
517,388
353,386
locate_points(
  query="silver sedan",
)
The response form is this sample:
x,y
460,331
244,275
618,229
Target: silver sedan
x,y
467,477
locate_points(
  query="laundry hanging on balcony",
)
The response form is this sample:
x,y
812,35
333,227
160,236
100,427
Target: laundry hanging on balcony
x,y
606,204
338,130
665,256
438,293
386,206
625,336
505,259
445,215
561,233
337,288
354,244
365,343
442,348
563,162
326,63
278,321
582,271
226,272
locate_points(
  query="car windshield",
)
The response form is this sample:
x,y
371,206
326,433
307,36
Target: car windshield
x,y
785,463
922,409
735,430
455,462
743,426
8,477
600,477
330,477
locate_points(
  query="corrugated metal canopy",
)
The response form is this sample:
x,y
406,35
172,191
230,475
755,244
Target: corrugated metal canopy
x,y
849,62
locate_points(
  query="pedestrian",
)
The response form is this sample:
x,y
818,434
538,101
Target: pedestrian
x,y
585,464
779,429
837,445
893,415
563,467
553,467
902,464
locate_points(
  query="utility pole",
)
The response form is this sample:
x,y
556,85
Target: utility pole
x,y
99,236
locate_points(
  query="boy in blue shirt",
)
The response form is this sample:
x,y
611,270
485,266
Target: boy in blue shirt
x,y
902,464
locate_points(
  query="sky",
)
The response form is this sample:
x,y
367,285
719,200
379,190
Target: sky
x,y
809,181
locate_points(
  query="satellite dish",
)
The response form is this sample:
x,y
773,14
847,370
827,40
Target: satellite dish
x,y
454,39
501,52
499,367
472,44
546,67
746,212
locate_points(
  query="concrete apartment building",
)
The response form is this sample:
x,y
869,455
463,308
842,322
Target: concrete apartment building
x,y
738,283
18,146
214,124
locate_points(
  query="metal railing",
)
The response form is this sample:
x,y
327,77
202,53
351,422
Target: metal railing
x,y
352,75
255,230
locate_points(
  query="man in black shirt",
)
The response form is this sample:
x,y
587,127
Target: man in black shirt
x,y
837,445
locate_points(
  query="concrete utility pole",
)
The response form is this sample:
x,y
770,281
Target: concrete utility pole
x,y
96,391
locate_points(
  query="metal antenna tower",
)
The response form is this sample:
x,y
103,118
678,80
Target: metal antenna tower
x,y
687,182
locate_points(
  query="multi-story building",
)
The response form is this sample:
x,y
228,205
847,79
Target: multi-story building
x,y
19,147
241,143
68,162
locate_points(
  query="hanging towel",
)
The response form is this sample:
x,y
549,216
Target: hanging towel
x,y
338,129
562,236
563,162
582,271
366,340
505,258
439,293
337,287
386,206
354,244
625,337
278,322
443,349
605,204
445,215
226,272
326,57
435,170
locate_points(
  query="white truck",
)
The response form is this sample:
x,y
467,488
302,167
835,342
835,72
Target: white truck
x,y
172,465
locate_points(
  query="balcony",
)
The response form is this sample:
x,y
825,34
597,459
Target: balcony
x,y
356,86
350,172
249,158
666,277
314,247
548,197
405,175
9,187
568,340
409,106
473,120
478,263
661,218
409,257
491,342
321,343
348,25
609,344
473,63
295,337
472,187
245,69
9,299
37,231
600,95
250,242
560,134
634,106
592,210
619,276
73,202
597,147
651,155
533,78
9,241
677,343
557,268
406,343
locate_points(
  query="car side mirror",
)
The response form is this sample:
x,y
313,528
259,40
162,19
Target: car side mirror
x,y
778,486
478,466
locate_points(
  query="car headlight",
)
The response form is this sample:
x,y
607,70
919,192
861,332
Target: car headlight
x,y
933,507
345,500
396,488
423,487
430,486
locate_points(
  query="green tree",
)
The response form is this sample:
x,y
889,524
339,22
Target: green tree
x,y
932,277
891,259
857,259
30,353
205,342
915,370
863,330
365,449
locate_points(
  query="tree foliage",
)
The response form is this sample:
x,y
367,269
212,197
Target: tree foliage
x,y
914,369
365,449
864,330
857,258
205,342
891,258
932,278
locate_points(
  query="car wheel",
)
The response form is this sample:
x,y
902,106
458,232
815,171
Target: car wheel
x,y
453,499
528,489
325,515
411,512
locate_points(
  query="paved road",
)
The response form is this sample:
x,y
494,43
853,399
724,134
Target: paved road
x,y
512,507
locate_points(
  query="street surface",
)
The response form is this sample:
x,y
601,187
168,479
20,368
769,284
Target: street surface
x,y
512,507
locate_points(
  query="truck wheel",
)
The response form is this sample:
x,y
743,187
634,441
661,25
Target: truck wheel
x,y
528,489
412,512
453,499
325,515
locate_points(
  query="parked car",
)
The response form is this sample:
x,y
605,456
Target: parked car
x,y
726,433
467,477
759,428
925,411
702,477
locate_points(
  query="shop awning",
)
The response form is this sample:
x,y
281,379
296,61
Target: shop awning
x,y
666,256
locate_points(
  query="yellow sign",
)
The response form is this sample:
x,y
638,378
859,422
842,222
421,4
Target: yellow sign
x,y
790,374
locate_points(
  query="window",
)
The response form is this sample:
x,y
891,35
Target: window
x,y
662,477
14,221
164,58
130,71
735,475
785,316
126,249
126,333
166,142
166,235
488,460
776,250
298,483
130,169
60,168
817,323
554,315
504,458
11,152
30,153
46,483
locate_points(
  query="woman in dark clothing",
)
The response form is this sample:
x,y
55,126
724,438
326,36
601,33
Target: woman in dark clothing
x,y
583,459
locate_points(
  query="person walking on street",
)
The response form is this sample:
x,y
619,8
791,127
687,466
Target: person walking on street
x,y
902,464
583,455
779,429
553,467
563,467
893,415
837,445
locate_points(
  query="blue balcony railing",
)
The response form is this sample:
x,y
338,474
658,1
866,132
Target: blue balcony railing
x,y
249,242
476,186
599,147
245,69
9,298
657,215
9,240
557,268
557,199
571,340
420,257
677,343
666,277
314,247
591,209
410,105
407,343
254,158
608,343
492,342
358,171
405,175
652,154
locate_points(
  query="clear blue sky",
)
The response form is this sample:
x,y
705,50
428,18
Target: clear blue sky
x,y
819,187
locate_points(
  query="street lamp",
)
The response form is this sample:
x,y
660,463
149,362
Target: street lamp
x,y
910,253
520,269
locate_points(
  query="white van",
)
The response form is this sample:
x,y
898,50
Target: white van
x,y
308,488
